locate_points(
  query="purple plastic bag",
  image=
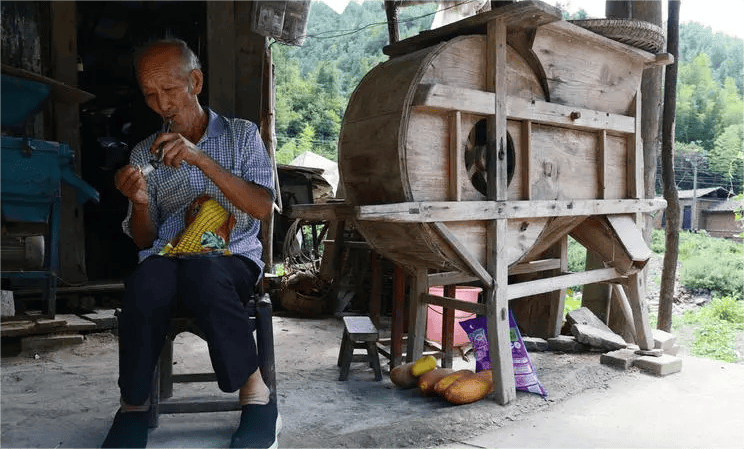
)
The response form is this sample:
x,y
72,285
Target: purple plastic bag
x,y
525,376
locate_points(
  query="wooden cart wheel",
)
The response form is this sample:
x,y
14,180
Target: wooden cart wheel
x,y
638,33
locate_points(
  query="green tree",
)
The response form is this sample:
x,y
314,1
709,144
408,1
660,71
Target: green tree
x,y
726,156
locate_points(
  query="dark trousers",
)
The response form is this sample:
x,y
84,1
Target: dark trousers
x,y
212,288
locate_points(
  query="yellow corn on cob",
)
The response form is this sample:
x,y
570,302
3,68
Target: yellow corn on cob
x,y
210,217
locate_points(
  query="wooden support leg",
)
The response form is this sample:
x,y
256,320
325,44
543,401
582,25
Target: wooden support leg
x,y
448,328
497,309
375,302
636,298
399,299
374,359
497,306
417,316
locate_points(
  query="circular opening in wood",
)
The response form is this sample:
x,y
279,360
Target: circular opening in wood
x,y
475,156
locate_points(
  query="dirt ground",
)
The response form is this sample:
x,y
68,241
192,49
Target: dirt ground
x,y
67,397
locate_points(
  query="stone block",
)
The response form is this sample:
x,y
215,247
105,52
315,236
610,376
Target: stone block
x,y
535,344
583,315
8,304
663,340
660,366
598,338
104,318
47,342
565,343
673,350
621,358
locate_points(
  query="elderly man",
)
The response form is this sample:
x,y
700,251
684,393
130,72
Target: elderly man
x,y
195,218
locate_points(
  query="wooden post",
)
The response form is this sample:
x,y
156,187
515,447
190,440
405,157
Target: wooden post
x,y
268,135
417,316
497,305
399,300
221,48
391,11
375,301
67,130
448,327
249,49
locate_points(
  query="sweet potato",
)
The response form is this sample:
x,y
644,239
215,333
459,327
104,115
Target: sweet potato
x,y
402,377
469,388
441,386
423,365
427,381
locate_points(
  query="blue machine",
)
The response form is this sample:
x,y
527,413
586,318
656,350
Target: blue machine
x,y
32,172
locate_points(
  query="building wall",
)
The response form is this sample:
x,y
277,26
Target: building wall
x,y
723,224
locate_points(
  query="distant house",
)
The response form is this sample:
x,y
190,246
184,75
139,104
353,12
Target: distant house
x,y
720,219
714,212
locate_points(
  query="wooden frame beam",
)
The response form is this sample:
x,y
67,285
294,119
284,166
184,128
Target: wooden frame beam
x,y
444,211
471,101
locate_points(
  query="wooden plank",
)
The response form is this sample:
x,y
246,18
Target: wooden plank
x,y
470,260
453,303
558,282
471,101
596,234
221,48
417,316
515,16
636,298
433,211
630,236
61,92
535,266
497,306
455,155
661,59
17,328
451,277
627,313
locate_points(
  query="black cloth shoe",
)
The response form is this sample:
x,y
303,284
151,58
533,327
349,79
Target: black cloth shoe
x,y
128,430
259,427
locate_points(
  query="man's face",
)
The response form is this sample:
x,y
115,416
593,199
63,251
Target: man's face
x,y
168,91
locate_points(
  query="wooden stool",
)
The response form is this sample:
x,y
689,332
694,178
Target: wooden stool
x,y
359,332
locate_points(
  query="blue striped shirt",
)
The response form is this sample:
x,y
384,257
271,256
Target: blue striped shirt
x,y
237,146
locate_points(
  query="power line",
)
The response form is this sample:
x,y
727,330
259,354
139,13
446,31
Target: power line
x,y
357,30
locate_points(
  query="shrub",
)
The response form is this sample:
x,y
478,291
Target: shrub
x,y
658,241
576,256
712,263
717,324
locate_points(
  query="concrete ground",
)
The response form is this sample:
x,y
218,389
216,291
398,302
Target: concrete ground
x,y
67,398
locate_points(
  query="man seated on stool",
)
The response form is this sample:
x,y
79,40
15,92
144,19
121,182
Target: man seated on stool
x,y
196,221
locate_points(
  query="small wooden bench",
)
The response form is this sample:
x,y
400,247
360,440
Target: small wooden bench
x,y
359,333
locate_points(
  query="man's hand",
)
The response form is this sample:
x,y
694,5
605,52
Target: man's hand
x,y
177,149
132,184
